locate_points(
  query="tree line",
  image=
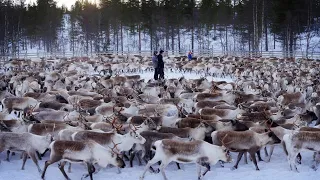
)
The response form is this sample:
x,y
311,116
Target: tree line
x,y
135,25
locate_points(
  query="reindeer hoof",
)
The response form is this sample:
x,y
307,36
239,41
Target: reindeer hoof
x,y
83,176
156,171
257,169
233,168
141,177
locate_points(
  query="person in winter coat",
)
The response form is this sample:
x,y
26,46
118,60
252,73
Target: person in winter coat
x,y
190,55
155,65
160,65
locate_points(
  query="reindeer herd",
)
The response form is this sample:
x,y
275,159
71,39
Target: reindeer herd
x,y
84,110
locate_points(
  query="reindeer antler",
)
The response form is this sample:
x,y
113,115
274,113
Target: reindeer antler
x,y
224,144
133,127
118,127
115,147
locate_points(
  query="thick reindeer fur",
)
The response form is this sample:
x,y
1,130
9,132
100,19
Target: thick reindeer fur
x,y
88,152
16,126
199,152
107,139
19,103
297,141
244,141
49,128
197,133
150,137
223,113
25,142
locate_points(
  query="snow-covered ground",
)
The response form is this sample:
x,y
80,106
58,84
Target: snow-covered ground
x,y
168,75
278,168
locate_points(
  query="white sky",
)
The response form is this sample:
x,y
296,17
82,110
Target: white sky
x,y
67,3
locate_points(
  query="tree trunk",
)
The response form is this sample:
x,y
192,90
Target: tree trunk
x,y
139,34
179,45
172,39
192,38
226,27
121,36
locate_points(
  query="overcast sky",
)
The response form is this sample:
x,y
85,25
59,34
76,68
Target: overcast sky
x,y
67,3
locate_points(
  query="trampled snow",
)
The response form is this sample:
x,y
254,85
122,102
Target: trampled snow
x,y
278,168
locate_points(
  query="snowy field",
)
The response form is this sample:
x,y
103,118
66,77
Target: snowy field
x,y
278,168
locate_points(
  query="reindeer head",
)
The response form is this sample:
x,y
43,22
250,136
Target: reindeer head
x,y
136,137
273,139
151,124
226,156
115,155
206,127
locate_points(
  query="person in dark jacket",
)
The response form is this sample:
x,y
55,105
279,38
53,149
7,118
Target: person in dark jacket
x,y
155,65
161,65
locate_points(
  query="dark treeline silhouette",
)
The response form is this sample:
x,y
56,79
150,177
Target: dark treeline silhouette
x,y
120,25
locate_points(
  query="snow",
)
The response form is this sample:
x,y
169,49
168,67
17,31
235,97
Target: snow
x,y
278,168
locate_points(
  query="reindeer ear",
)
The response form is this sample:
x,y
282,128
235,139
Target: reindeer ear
x,y
266,130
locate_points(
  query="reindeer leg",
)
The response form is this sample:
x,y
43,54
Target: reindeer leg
x,y
253,157
39,155
163,165
8,154
125,157
139,158
245,158
178,165
199,171
48,163
271,152
266,152
259,155
32,154
25,157
132,154
207,166
61,167
69,168
91,170
154,160
299,158
238,160
42,155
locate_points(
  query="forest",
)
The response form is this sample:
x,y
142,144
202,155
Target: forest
x,y
173,25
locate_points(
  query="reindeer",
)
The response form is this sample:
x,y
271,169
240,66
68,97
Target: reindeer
x,y
244,141
18,103
145,148
88,152
24,142
197,133
297,141
199,152
223,113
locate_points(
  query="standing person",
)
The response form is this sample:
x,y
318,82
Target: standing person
x,y
190,55
155,65
161,65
